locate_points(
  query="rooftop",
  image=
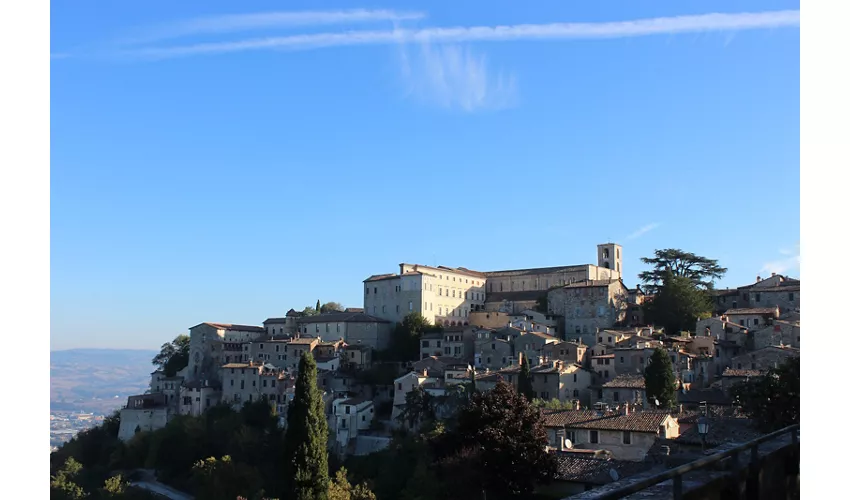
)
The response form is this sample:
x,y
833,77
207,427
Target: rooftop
x,y
595,471
536,270
342,317
751,310
638,421
231,327
626,382
731,372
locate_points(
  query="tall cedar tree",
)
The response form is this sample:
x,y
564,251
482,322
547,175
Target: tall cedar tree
x,y
499,443
306,437
524,386
660,381
678,305
773,401
701,271
318,306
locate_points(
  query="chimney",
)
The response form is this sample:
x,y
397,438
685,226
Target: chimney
x,y
772,275
758,278
626,408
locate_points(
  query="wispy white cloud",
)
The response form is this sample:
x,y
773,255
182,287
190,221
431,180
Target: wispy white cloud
x,y
643,230
265,20
790,261
454,77
556,31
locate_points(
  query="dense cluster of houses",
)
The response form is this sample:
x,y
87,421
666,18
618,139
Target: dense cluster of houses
x,y
579,327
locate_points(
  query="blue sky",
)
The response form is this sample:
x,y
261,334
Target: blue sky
x,y
222,161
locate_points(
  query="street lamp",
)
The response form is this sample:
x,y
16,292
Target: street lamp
x,y
702,428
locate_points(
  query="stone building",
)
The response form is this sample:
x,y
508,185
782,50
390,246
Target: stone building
x,y
627,435
623,389
776,291
287,325
143,413
443,295
207,346
247,382
353,328
448,296
587,306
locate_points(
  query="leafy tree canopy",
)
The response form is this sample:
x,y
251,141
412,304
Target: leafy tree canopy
x,y
498,446
404,342
701,271
552,404
677,305
773,401
660,380
329,307
173,356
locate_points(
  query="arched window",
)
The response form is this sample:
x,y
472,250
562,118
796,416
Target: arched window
x,y
606,266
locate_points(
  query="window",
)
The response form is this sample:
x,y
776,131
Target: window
x,y
241,384
439,291
791,297
397,308
609,339
606,376
627,437
616,396
607,361
273,381
410,305
231,382
383,310
758,297
363,418
622,359
594,437
575,377
261,347
399,386
347,410
265,383
755,321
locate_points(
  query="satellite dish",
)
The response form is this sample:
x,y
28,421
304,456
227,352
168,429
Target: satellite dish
x,y
568,444
614,475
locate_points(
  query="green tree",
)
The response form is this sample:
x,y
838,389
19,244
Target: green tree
x,y
63,485
701,271
223,479
678,305
115,487
773,401
499,444
173,356
542,304
310,311
306,436
318,305
660,380
552,404
340,489
404,342
329,307
524,386
419,408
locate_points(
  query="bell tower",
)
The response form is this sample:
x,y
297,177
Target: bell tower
x,y
610,256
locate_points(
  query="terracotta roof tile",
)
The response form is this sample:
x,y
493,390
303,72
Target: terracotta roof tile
x,y
626,382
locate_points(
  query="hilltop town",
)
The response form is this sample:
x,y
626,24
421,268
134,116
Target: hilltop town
x,y
574,338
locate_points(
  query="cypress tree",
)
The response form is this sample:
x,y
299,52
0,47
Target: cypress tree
x,y
306,437
524,381
660,381
318,307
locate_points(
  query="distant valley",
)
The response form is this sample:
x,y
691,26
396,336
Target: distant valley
x,y
97,380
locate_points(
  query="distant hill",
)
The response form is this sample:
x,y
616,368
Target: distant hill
x,y
97,380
